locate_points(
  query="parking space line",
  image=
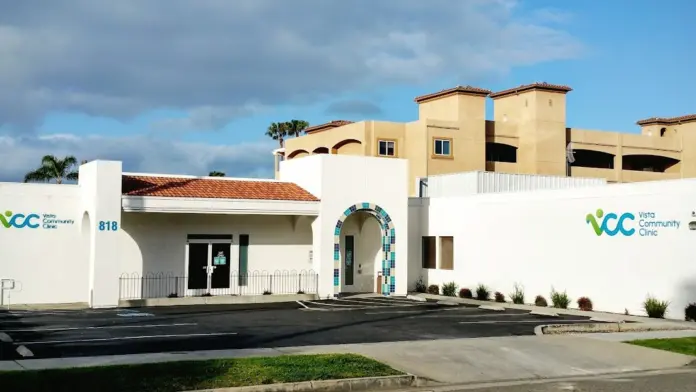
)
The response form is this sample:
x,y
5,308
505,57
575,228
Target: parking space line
x,y
24,352
128,338
370,303
387,301
496,314
305,306
98,327
5,338
526,321
325,304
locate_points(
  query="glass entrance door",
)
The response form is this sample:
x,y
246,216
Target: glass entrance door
x,y
208,265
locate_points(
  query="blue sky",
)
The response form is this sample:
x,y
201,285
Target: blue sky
x,y
204,101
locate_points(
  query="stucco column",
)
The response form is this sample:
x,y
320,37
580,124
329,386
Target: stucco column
x,y
322,256
100,183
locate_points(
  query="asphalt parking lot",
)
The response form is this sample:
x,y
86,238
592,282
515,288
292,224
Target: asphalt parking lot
x,y
94,332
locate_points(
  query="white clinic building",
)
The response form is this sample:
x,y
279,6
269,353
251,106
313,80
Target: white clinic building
x,y
336,224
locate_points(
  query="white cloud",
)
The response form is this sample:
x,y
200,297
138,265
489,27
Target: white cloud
x,y
139,154
214,58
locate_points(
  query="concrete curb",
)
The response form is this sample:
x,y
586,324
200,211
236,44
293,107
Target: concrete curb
x,y
416,298
609,317
349,384
561,329
218,300
492,307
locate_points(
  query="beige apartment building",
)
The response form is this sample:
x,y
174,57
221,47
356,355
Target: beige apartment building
x,y
528,134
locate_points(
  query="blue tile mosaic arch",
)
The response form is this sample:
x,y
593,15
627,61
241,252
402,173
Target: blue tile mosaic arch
x,y
388,245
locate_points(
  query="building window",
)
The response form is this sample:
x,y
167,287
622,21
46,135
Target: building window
x,y
428,256
386,148
447,253
443,147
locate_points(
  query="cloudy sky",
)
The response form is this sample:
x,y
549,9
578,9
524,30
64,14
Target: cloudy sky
x,y
184,86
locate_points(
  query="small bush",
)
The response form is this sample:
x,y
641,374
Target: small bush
x,y
540,301
434,289
585,304
690,312
499,297
483,293
449,289
655,308
172,295
559,300
465,293
267,292
300,292
420,286
517,296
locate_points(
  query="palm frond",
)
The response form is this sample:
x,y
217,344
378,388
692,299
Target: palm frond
x,y
42,174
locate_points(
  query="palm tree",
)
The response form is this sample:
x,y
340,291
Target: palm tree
x,y
278,131
296,127
216,173
53,168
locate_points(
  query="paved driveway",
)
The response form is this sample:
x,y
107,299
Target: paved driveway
x,y
51,334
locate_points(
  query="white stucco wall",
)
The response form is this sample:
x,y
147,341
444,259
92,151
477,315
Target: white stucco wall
x,y
342,181
46,262
541,240
153,243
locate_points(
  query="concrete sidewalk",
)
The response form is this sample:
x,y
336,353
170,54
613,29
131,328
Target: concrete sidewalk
x,y
452,361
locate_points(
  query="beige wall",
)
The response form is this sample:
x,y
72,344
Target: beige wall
x,y
532,121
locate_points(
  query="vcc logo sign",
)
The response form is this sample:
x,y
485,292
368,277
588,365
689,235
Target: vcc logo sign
x,y
19,221
607,219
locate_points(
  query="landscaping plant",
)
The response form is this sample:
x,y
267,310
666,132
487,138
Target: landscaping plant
x,y
690,312
559,300
449,289
655,308
499,297
517,296
585,303
483,293
434,289
420,286
540,301
465,293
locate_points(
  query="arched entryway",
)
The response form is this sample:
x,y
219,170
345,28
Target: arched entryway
x,y
388,241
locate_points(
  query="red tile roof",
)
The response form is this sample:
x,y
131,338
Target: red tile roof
x,y
143,185
328,125
534,86
667,120
468,90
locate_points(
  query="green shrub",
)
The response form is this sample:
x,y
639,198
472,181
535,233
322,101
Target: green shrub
x,y
540,301
499,297
690,312
584,303
517,296
465,293
483,293
559,300
449,289
655,308
420,286
434,289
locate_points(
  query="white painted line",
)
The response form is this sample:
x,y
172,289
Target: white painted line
x,y
543,313
494,308
24,352
416,298
524,321
5,338
450,315
305,306
130,338
100,327
389,301
135,314
330,305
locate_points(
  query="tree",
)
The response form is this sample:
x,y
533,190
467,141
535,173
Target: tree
x,y
296,127
278,131
281,130
216,173
56,169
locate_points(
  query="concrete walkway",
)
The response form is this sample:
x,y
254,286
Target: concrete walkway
x,y
449,361
628,336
